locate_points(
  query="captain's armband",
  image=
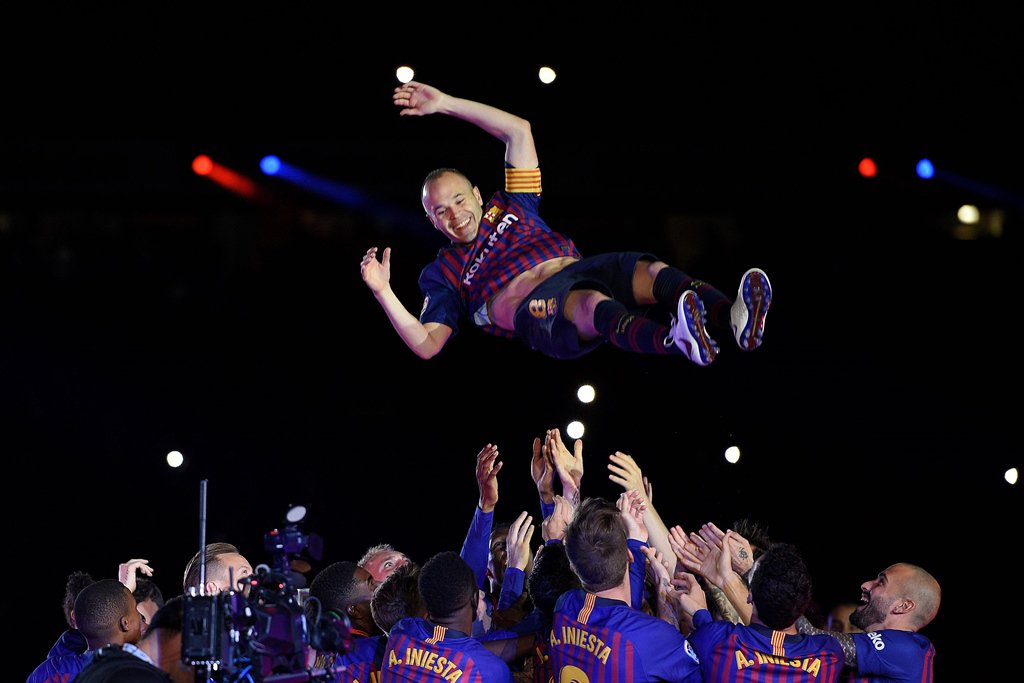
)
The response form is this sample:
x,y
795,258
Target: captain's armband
x,y
522,180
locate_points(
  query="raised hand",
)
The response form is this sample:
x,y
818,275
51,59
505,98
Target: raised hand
x,y
568,465
688,594
417,99
553,526
487,468
632,506
542,470
714,564
740,553
376,274
626,473
517,543
682,548
127,572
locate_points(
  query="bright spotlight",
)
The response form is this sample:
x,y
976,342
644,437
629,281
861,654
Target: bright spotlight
x,y
404,74
925,169
546,74
867,167
732,454
202,165
585,393
1011,475
574,429
175,458
968,214
270,164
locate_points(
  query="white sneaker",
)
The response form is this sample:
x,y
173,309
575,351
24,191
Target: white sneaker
x,y
687,331
750,309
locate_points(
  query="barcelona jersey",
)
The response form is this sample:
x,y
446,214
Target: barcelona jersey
x,y
734,653
599,639
421,652
512,239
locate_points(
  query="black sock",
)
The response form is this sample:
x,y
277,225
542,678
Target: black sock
x,y
670,283
629,331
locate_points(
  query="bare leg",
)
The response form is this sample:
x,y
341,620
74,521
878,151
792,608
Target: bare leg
x,y
579,310
643,281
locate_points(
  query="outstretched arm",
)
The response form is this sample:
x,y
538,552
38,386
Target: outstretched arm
x,y
804,627
626,473
477,544
425,340
420,99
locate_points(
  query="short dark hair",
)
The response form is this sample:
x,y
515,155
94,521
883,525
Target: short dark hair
x,y
447,584
595,542
100,606
334,587
76,582
397,596
551,576
781,586
213,550
168,617
146,589
438,172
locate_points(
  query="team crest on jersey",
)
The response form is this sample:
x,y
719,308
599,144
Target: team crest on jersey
x,y
544,308
492,214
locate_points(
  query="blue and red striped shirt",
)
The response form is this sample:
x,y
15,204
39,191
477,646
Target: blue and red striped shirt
x,y
512,239
361,664
421,652
600,639
734,653
893,655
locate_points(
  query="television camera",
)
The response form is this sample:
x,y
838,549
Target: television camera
x,y
259,631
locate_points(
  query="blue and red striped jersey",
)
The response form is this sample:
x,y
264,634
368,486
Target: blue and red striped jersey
x,y
892,655
734,653
540,659
361,664
600,639
421,652
512,239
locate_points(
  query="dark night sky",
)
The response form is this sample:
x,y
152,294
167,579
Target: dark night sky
x,y
145,309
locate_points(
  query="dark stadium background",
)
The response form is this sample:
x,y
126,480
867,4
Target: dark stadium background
x,y
144,308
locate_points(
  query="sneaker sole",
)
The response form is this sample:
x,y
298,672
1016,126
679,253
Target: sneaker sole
x,y
693,314
757,297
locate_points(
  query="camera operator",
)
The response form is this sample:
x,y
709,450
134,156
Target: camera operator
x,y
224,564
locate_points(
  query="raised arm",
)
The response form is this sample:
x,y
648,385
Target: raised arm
x,y
476,546
542,471
569,466
425,340
740,552
420,99
517,544
626,473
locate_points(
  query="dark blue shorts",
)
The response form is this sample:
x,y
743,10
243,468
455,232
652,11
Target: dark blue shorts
x,y
542,325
